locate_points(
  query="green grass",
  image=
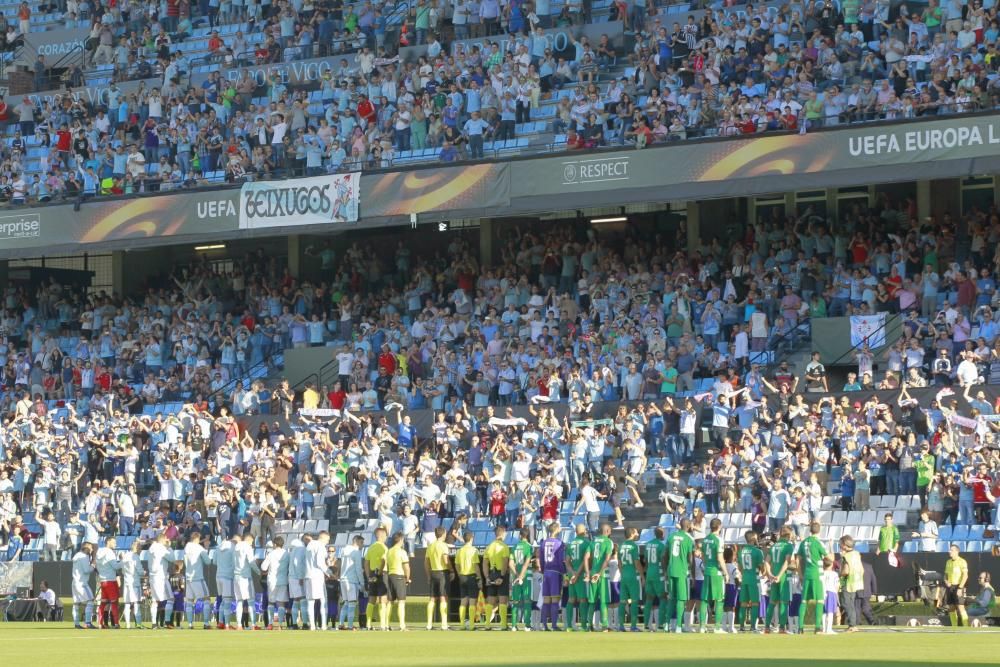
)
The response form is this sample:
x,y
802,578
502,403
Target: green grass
x,y
59,644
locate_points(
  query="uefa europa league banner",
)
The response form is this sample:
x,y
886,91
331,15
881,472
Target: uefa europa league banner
x,y
303,201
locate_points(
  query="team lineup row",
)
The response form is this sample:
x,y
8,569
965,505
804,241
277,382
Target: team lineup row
x,y
591,578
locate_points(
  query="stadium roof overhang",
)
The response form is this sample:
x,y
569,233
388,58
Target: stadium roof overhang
x,y
683,171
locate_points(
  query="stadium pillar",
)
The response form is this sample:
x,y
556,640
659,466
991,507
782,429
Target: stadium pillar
x,y
923,199
693,226
118,272
294,254
486,242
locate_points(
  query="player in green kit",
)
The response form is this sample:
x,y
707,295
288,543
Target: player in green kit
x,y
811,554
578,572
779,560
600,589
521,559
680,554
654,554
750,560
714,587
630,567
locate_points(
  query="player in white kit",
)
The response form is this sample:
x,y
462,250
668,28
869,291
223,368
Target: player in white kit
x,y
352,579
296,580
83,594
223,557
315,579
195,587
132,585
275,568
159,559
244,567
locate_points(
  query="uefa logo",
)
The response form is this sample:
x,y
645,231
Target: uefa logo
x,y
569,173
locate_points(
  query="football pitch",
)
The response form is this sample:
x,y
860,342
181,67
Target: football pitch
x,y
60,644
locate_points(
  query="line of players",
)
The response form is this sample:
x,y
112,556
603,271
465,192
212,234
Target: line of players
x,y
584,578
591,580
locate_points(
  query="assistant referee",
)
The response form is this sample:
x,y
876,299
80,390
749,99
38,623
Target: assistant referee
x,y
437,563
397,566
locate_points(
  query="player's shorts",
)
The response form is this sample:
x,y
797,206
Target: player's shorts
x,y
439,584
780,591
580,590
696,587
830,603
629,589
131,593
552,584
616,592
713,588
951,596
278,593
812,589
749,590
109,591
468,586
397,587
732,595
521,592
243,589
599,590
82,593
315,587
679,589
377,587
795,605
655,587
159,589
296,589
349,591
497,584
224,586
195,590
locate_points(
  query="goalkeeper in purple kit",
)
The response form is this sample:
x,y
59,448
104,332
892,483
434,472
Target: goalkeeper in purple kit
x,y
552,563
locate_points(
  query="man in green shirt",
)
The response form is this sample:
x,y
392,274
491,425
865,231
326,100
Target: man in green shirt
x,y
811,554
600,589
520,588
888,536
779,558
852,581
924,465
680,553
578,571
654,555
630,568
714,587
750,560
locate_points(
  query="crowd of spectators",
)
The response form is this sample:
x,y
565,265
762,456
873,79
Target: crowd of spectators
x,y
767,68
119,416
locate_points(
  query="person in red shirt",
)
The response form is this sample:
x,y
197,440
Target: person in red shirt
x,y
337,397
366,110
550,504
64,141
789,120
573,140
4,115
387,360
498,504
215,43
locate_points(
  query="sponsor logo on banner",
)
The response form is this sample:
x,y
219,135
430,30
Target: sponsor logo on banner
x,y
304,201
24,226
595,170
216,208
